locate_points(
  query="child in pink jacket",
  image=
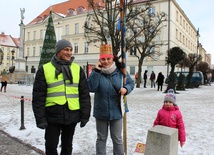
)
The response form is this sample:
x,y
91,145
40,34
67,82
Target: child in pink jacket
x,y
171,116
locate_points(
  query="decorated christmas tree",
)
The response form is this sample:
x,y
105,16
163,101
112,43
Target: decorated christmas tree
x,y
48,49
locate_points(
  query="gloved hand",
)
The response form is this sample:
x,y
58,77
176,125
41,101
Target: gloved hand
x,y
42,125
83,122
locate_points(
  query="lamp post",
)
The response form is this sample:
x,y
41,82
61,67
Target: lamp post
x,y
12,56
197,52
26,67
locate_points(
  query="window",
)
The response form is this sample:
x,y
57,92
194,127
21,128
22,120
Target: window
x,y
184,24
41,34
28,36
28,51
75,47
8,51
133,51
176,33
39,19
66,29
180,20
34,51
80,9
151,11
177,15
34,35
40,50
70,11
85,47
183,40
76,28
45,16
132,70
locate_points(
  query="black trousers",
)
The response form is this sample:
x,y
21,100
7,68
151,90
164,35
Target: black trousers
x,y
52,133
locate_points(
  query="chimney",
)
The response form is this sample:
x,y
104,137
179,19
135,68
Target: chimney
x,y
2,34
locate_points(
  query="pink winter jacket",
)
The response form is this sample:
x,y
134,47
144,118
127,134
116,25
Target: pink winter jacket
x,y
172,117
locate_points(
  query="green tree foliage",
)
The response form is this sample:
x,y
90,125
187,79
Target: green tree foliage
x,y
175,55
103,25
180,85
48,48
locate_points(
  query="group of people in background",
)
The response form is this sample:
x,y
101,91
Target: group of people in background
x,y
159,81
61,100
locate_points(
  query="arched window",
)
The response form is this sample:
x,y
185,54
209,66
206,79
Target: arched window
x,y
70,11
80,9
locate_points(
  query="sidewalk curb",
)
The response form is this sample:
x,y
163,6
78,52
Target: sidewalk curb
x,y
23,143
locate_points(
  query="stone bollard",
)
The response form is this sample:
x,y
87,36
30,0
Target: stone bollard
x,y
162,140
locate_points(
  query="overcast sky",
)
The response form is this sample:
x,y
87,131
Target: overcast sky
x,y
198,11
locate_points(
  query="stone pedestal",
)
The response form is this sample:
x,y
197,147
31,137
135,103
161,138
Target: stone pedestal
x,y
162,140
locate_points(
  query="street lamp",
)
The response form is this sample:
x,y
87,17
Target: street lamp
x,y
12,56
26,67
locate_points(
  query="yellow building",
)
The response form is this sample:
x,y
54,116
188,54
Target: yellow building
x,y
8,50
69,18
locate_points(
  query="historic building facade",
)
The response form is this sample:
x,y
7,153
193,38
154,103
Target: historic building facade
x,y
69,18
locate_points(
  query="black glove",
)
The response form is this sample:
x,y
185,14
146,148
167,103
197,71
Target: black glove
x,y
42,125
83,123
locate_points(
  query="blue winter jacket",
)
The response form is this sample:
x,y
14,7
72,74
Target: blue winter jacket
x,y
106,88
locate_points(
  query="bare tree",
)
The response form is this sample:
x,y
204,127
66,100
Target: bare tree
x,y
144,28
204,68
103,25
193,60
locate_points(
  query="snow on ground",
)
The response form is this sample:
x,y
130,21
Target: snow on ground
x,y
196,106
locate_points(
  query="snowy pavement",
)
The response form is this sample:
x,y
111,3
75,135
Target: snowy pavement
x,y
196,105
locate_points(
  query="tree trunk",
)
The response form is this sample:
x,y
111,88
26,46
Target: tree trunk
x,y
139,79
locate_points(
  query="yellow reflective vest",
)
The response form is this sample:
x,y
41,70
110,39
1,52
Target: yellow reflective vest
x,y
60,91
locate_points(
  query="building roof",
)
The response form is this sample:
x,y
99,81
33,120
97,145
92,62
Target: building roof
x,y
7,40
61,8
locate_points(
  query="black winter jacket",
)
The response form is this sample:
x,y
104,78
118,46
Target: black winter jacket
x,y
59,114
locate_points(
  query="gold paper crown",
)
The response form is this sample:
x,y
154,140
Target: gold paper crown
x,y
105,49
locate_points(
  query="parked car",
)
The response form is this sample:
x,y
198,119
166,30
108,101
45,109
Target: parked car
x,y
197,78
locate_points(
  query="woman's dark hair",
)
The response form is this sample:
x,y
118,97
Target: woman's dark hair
x,y
117,62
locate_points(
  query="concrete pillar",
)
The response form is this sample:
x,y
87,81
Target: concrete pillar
x,y
162,140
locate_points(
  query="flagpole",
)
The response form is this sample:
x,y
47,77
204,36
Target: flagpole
x,y
123,51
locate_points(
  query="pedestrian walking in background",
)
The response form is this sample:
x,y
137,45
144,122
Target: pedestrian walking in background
x,y
171,116
106,82
152,78
145,78
60,99
4,80
159,81
136,77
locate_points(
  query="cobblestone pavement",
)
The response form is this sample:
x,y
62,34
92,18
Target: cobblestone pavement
x,y
13,146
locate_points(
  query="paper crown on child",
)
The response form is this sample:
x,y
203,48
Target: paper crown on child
x,y
170,96
106,51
